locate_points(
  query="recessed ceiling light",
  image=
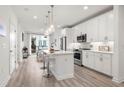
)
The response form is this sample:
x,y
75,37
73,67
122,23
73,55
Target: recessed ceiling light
x,y
85,7
35,17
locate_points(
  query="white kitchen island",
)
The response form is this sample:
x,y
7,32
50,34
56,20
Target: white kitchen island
x,y
61,64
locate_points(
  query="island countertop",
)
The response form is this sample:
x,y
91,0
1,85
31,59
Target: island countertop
x,y
58,52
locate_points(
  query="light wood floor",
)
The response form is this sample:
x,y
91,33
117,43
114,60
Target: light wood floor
x,y
29,74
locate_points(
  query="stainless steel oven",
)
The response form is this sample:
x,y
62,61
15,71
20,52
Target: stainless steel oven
x,y
78,57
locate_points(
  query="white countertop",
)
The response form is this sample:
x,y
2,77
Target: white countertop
x,y
106,52
58,52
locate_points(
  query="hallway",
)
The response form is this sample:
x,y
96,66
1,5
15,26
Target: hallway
x,y
29,74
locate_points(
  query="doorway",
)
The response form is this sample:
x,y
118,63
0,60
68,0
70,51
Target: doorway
x,y
12,48
33,44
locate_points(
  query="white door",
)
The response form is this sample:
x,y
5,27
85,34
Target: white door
x,y
12,48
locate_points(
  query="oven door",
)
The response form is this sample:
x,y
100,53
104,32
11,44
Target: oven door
x,y
77,58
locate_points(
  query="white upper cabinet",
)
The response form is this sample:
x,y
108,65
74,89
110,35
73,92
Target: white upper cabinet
x,y
99,28
110,26
79,30
102,27
74,33
106,27
69,34
92,30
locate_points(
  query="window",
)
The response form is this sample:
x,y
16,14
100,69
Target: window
x,y
44,43
40,43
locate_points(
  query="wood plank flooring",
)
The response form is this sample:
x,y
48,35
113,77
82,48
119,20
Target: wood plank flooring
x,y
29,74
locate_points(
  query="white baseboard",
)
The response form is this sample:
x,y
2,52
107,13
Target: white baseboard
x,y
117,80
4,82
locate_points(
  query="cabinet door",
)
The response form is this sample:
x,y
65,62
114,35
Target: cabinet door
x,y
106,64
73,35
85,58
98,62
78,30
91,60
103,63
102,27
92,30
83,27
69,36
88,59
88,31
110,26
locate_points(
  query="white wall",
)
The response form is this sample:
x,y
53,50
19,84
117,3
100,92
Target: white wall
x,y
7,15
20,43
118,59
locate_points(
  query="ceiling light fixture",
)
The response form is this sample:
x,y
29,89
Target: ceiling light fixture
x,y
35,17
85,7
46,32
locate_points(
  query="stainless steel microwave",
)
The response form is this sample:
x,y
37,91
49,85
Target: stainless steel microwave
x,y
82,38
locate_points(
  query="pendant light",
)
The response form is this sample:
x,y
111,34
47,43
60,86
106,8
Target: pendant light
x,y
52,28
50,21
46,32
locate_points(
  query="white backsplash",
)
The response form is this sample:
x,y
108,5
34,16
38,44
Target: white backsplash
x,y
95,45
72,46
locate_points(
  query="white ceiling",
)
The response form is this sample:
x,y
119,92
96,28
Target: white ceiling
x,y
63,15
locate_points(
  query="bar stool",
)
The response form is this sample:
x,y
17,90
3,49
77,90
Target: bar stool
x,y
47,59
43,59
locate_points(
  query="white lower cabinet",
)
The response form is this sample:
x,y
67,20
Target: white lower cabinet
x,y
85,58
88,59
91,60
98,61
107,64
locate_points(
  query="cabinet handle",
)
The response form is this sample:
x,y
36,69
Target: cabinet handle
x,y
101,59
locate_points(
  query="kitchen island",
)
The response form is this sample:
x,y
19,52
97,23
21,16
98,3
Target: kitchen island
x,y
61,64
